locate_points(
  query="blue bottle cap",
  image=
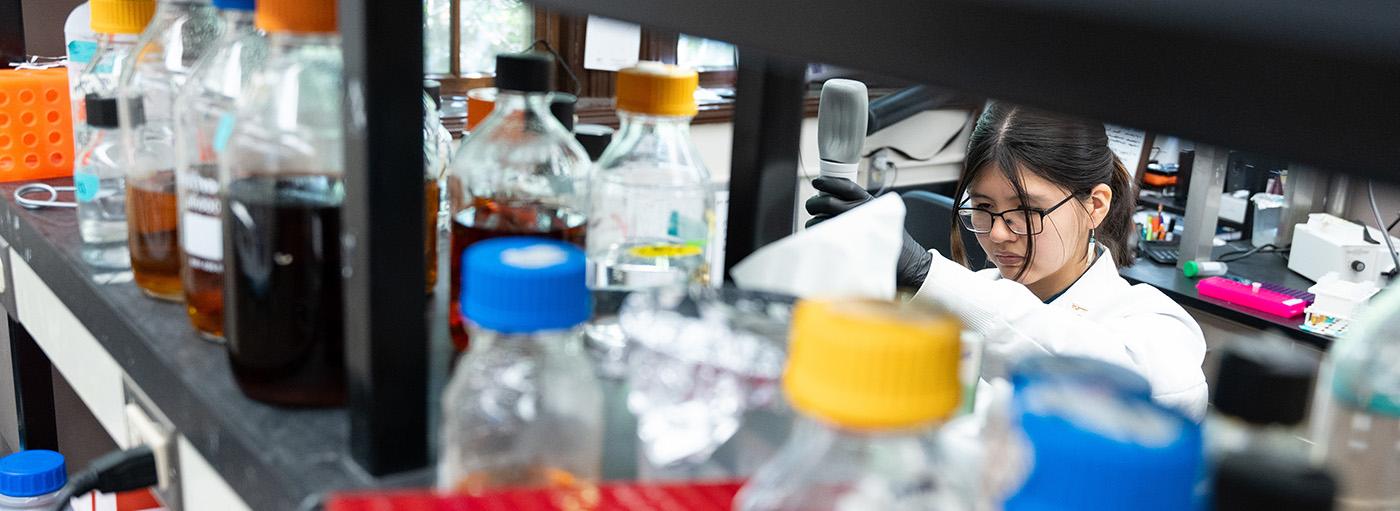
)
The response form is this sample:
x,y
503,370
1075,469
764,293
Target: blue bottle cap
x,y
1104,451
1092,373
32,473
525,284
235,5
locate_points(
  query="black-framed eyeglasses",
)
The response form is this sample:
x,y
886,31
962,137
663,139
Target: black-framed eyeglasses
x,y
1022,221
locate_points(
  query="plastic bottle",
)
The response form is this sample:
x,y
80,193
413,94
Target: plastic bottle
x,y
114,26
523,407
652,203
519,173
284,303
181,33
1356,409
204,113
1091,447
32,480
1260,397
870,411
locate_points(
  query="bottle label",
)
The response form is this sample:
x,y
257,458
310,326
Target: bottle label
x,y
85,186
202,236
80,52
667,250
222,134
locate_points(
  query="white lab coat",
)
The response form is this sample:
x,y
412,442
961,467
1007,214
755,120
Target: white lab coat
x,y
1100,316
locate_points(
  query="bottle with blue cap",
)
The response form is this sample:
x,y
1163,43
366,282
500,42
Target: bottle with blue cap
x,y
1104,450
31,480
523,407
204,113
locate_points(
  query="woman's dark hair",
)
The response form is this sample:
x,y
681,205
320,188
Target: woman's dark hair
x,y
1068,152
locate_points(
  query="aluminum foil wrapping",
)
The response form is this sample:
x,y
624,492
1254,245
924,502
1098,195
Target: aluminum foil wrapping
x,y
698,360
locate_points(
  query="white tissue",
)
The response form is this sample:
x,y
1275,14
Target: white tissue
x,y
849,256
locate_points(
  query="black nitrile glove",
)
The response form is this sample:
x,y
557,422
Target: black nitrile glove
x,y
842,195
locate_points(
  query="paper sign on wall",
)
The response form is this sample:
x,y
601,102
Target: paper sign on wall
x,y
1127,144
611,45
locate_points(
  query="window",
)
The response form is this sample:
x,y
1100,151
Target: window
x,y
484,28
705,54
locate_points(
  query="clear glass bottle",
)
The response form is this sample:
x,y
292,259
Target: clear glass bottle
x,y
867,438
651,196
1356,410
523,408
519,173
437,147
1260,399
281,175
204,113
181,33
100,188
116,25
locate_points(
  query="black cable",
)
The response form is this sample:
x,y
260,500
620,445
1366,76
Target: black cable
x,y
1241,254
117,471
578,86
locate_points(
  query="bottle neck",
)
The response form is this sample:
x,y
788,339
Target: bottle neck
x,y
633,124
814,427
530,103
286,41
528,343
236,18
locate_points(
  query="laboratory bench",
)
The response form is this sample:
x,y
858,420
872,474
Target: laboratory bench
x,y
1261,267
116,346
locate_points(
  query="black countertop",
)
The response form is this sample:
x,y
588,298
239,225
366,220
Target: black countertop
x,y
275,458
1263,267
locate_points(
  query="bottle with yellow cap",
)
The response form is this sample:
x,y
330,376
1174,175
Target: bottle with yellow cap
x,y
652,212
872,382
282,192
100,187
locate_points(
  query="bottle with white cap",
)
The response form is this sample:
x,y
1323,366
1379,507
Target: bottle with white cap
x,y
32,479
523,408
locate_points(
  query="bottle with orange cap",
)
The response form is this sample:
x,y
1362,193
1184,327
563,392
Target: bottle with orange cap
x,y
179,36
99,182
872,381
282,193
652,213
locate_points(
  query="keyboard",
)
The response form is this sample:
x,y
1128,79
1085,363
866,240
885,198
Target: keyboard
x,y
1161,252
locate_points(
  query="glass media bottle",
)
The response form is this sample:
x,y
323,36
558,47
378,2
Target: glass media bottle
x,y
524,408
870,412
204,114
283,297
179,35
519,173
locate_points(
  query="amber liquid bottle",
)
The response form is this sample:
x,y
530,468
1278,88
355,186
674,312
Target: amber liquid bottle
x,y
153,234
524,173
283,295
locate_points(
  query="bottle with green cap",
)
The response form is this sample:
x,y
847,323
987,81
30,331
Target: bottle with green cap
x,y
1193,269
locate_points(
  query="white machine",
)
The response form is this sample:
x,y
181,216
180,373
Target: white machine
x,y
1327,244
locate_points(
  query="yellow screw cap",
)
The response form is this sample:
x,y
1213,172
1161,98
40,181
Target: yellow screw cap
x,y
121,16
654,88
296,16
866,364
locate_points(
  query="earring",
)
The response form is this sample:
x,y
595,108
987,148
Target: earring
x,y
1092,239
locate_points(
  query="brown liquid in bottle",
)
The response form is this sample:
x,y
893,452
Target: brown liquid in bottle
x,y
484,219
283,295
431,202
203,275
152,235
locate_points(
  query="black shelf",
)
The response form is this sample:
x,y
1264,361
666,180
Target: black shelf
x,y
1310,81
274,458
1169,205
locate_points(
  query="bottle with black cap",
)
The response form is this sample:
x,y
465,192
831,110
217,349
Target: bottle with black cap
x,y
520,173
1264,481
1260,397
100,186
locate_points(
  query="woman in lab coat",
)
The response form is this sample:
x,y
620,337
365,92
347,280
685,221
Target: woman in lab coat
x,y
1052,207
